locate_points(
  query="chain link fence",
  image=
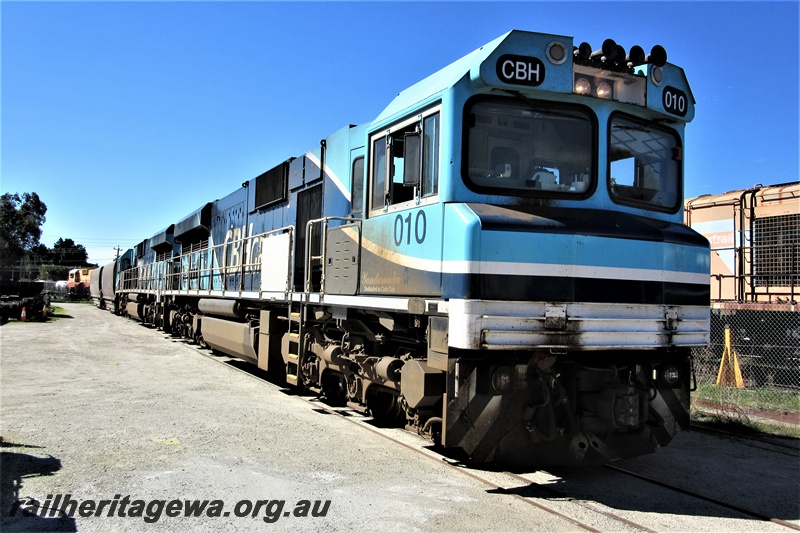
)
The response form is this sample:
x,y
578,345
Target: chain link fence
x,y
757,373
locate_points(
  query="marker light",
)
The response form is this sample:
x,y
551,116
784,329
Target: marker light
x,y
556,53
656,75
604,90
582,86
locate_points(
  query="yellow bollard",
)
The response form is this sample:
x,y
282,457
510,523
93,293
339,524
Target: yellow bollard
x,y
730,374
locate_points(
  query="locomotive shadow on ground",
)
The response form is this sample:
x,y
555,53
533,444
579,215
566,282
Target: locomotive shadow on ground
x,y
636,495
14,467
591,483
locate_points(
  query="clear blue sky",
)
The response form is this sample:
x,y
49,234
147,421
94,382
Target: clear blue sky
x,y
124,117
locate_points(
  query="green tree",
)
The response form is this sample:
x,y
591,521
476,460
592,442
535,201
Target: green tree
x,y
67,252
53,272
41,254
21,219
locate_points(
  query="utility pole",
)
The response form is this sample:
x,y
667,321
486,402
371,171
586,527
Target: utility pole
x,y
118,249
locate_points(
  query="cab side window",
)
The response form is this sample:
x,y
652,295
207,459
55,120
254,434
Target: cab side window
x,y
404,166
430,156
378,173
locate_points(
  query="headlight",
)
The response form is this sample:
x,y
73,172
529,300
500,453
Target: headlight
x,y
616,86
604,90
582,86
670,376
501,379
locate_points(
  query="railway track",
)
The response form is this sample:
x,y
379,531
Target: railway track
x,y
532,492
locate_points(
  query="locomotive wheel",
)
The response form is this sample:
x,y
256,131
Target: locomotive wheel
x,y
334,389
385,408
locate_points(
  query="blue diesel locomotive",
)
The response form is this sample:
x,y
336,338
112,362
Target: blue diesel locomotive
x,y
497,261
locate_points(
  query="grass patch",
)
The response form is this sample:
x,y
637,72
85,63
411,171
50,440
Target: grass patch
x,y
761,398
748,411
742,424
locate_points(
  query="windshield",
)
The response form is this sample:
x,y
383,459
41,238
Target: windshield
x,y
530,148
644,165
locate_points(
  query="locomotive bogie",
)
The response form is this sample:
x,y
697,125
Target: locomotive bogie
x,y
574,409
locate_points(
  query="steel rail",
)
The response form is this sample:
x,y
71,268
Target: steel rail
x,y
582,503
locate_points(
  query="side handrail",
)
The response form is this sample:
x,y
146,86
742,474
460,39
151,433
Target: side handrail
x,y
200,263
